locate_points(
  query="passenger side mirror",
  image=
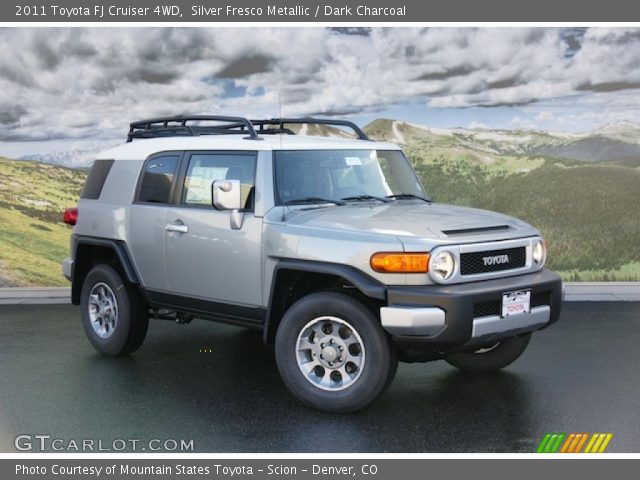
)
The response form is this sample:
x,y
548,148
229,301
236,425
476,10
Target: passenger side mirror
x,y
226,194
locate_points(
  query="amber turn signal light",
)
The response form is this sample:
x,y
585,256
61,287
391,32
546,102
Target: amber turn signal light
x,y
388,262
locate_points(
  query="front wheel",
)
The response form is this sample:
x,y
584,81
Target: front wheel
x,y
114,316
333,354
492,357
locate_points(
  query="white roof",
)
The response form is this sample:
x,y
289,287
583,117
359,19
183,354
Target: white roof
x,y
142,148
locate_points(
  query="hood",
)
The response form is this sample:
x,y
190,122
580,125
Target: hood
x,y
408,219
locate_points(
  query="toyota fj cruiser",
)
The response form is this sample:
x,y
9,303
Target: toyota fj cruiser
x,y
330,246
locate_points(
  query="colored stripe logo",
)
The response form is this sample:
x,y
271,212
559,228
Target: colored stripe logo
x,y
574,443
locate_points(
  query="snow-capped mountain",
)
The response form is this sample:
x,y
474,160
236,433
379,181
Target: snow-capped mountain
x,y
78,158
619,128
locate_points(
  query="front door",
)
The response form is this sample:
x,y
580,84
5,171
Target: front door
x,y
147,219
205,257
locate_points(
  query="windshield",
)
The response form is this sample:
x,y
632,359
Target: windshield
x,y
336,175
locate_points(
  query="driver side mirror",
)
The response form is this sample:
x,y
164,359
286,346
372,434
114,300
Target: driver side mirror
x,y
226,194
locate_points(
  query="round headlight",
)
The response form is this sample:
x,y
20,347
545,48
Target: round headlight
x,y
442,265
539,253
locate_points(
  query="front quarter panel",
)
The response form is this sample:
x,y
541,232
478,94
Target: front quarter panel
x,y
282,241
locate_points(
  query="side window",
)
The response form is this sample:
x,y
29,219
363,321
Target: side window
x,y
204,169
157,179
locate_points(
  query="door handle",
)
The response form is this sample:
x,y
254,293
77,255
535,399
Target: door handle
x,y
176,227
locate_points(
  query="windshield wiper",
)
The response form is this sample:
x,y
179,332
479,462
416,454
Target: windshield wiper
x,y
365,197
408,195
305,200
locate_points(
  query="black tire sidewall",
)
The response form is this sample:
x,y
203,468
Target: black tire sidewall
x,y
116,344
379,360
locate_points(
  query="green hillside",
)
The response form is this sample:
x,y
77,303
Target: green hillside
x,y
587,213
33,240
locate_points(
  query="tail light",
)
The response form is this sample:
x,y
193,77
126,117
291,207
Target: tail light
x,y
70,216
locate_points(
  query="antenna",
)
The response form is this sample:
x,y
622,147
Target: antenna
x,y
284,208
280,111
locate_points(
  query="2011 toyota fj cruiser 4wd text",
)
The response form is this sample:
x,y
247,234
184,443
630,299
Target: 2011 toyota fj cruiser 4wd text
x,y
330,246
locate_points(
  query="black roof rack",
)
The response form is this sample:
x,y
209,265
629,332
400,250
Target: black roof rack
x,y
184,126
179,126
281,122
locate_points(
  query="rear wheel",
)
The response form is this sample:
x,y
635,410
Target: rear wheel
x,y
114,316
492,357
333,354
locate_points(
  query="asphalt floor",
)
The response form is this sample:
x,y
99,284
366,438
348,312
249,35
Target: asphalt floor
x,y
218,386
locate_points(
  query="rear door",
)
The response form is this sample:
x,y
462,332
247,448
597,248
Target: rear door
x,y
205,257
148,218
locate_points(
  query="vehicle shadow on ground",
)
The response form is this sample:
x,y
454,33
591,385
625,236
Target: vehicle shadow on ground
x,y
223,389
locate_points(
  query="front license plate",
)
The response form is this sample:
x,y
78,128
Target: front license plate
x,y
514,303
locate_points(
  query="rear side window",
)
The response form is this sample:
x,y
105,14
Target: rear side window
x,y
96,178
157,179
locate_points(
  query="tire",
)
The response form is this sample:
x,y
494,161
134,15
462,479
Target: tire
x,y
492,358
364,361
120,327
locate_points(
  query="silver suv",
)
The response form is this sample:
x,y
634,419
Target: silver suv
x,y
329,246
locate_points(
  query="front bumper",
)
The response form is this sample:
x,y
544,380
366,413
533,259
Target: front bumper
x,y
451,317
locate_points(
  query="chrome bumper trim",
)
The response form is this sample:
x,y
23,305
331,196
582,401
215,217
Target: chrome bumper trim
x,y
495,324
412,321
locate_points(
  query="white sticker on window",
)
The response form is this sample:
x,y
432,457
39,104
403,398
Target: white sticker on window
x,y
198,183
353,161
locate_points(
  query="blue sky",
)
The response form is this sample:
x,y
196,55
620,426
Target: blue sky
x,y
78,88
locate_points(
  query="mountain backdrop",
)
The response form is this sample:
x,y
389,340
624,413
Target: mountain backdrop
x,y
614,143
77,158
581,190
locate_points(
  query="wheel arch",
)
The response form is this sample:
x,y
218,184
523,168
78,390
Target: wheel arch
x,y
91,251
293,279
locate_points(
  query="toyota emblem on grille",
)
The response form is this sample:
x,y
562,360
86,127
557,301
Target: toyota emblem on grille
x,y
495,260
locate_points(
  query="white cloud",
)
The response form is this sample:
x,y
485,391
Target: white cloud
x,y
89,83
518,122
544,116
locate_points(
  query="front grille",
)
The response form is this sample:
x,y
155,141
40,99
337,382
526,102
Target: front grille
x,y
541,298
494,307
492,260
486,309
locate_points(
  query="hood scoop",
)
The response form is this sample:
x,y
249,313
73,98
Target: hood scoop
x,y
476,230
